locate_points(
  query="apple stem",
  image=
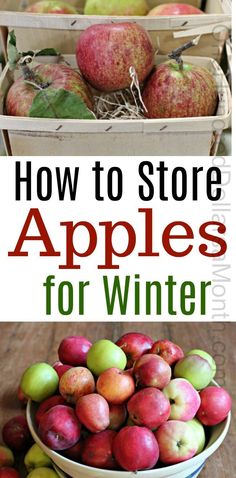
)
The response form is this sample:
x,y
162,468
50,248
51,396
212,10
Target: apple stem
x,y
176,54
30,76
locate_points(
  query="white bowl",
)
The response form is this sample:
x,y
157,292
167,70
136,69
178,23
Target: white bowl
x,y
188,469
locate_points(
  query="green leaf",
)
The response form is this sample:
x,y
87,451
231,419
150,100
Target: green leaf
x,y
63,104
44,52
47,52
12,52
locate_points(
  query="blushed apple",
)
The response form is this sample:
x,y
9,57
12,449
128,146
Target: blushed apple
x,y
118,415
134,345
39,382
51,6
195,369
59,428
47,404
73,350
6,457
75,383
115,385
135,448
167,350
21,95
97,450
150,370
149,408
105,53
177,442
187,85
174,9
36,458
183,398
206,356
103,355
199,434
16,433
93,412
215,406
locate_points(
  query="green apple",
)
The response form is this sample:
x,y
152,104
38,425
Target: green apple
x,y
206,356
43,472
195,369
116,7
105,354
199,433
36,458
6,457
39,382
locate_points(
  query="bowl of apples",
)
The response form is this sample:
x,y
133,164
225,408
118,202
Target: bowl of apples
x,y
137,406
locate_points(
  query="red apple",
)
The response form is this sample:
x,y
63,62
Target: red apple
x,y
7,472
97,450
61,368
93,412
152,371
47,404
174,93
215,405
135,448
177,442
51,6
75,452
118,415
106,52
59,428
75,383
115,385
21,95
174,9
169,351
73,350
21,397
149,408
16,433
134,345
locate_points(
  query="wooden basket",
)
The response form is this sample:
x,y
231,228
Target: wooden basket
x,y
168,137
169,32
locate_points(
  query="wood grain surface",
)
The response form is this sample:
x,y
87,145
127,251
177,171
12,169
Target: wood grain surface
x,y
22,344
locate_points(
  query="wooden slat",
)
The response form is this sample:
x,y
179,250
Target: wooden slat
x,y
81,22
121,126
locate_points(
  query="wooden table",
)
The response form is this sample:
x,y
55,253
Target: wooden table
x,y
22,344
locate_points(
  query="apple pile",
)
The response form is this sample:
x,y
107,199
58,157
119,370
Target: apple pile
x,y
131,405
36,463
113,8
106,55
174,89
